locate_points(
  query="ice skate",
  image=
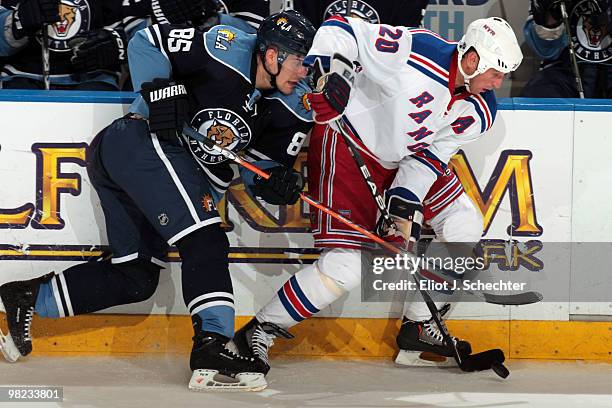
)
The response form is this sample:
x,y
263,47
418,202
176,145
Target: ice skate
x,y
215,368
421,344
17,300
254,339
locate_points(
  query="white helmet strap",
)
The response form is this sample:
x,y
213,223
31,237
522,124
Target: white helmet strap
x,y
466,77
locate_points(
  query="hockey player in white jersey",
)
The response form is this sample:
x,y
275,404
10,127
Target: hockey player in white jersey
x,y
408,104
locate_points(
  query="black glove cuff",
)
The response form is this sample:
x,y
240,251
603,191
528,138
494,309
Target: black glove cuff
x,y
337,92
283,187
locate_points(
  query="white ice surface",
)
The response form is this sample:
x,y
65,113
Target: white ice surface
x,y
162,382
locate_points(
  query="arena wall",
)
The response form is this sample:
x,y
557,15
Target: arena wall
x,y
537,177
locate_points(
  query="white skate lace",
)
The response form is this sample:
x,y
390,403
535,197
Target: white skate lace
x,y
261,343
28,323
433,331
238,356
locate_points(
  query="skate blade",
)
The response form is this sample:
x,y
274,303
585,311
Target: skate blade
x,y
423,359
8,348
211,380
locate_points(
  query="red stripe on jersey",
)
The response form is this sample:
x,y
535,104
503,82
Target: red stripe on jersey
x,y
442,193
441,186
337,17
441,167
421,60
451,194
452,75
485,109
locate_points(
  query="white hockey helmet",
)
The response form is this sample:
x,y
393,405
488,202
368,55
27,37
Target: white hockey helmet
x,y
496,45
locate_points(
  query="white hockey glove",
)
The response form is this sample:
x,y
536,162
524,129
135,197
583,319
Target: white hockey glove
x,y
333,88
408,218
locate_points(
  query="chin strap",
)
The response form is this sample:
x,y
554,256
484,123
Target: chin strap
x,y
280,59
466,77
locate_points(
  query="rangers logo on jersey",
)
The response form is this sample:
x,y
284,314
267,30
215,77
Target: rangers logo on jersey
x,y
74,16
225,128
592,41
359,9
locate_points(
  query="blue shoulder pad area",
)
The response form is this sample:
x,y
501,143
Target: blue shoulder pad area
x,y
296,102
433,47
231,47
226,19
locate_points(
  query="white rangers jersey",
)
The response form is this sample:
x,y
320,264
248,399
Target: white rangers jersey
x,y
402,107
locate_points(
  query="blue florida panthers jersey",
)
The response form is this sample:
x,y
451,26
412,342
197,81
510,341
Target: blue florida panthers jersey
x,y
218,68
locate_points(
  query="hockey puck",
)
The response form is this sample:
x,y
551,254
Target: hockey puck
x,y
500,369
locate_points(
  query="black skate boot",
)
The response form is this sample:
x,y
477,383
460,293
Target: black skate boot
x,y
254,339
215,368
18,300
422,344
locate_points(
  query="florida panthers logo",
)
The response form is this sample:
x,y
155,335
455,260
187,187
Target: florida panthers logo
x,y
75,16
225,128
590,34
67,16
359,9
221,134
224,39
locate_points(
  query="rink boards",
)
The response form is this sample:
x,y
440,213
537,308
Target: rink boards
x,y
537,176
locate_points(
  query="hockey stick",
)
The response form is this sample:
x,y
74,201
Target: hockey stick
x,y
490,359
571,50
228,154
46,66
516,299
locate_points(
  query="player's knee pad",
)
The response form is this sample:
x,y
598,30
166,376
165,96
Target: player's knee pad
x,y
142,278
340,267
204,245
205,265
464,223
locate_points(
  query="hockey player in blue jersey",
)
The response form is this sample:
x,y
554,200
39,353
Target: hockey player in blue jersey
x,y
159,188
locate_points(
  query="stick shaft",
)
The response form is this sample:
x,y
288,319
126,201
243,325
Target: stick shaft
x,y
388,246
571,50
240,161
46,68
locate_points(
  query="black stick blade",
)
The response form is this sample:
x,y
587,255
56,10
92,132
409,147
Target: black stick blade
x,y
500,369
513,300
483,361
